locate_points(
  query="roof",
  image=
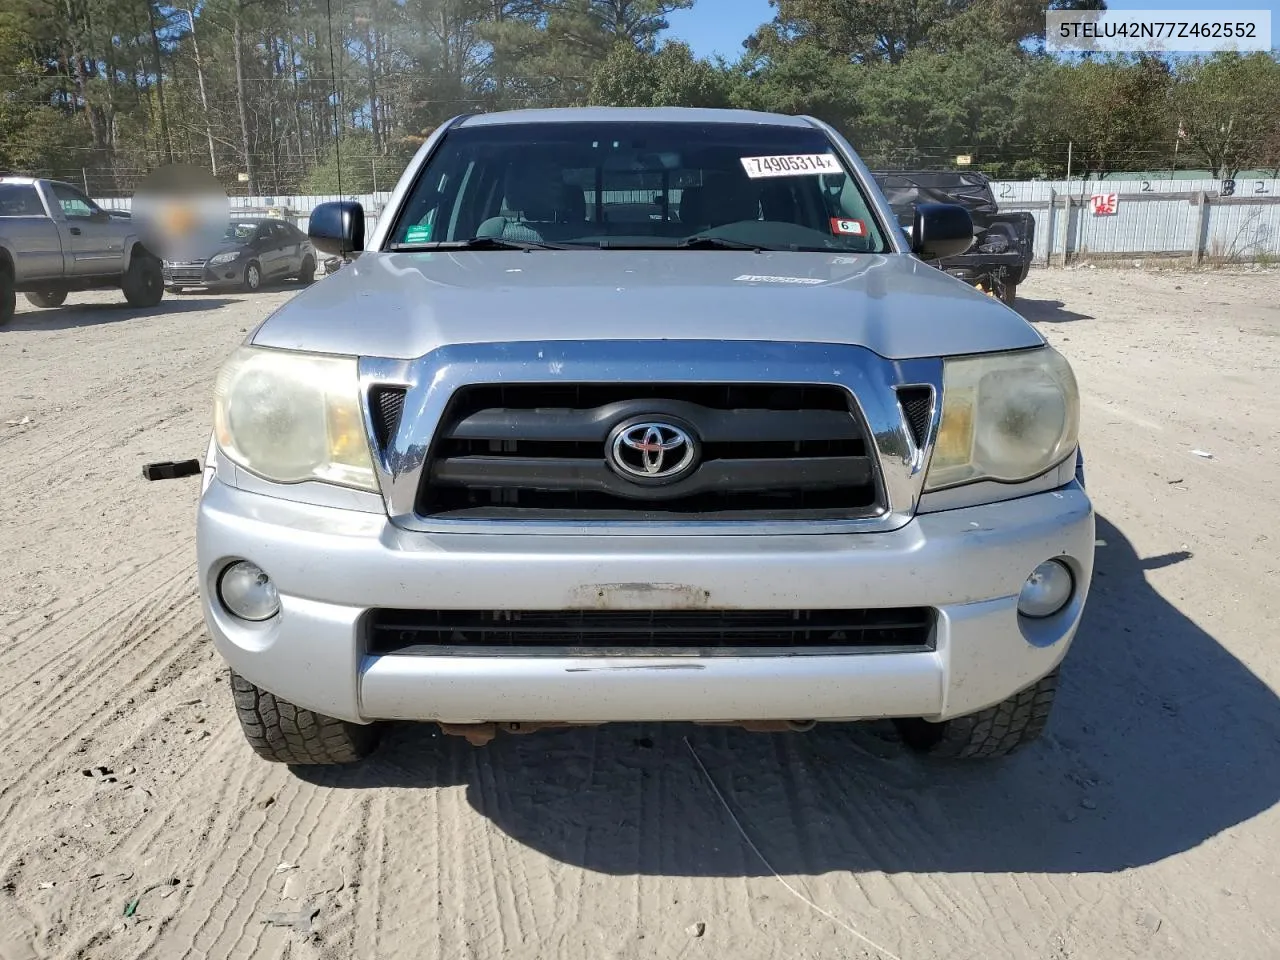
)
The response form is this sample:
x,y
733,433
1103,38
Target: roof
x,y
634,115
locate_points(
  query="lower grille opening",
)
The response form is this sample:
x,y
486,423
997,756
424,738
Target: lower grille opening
x,y
647,632
186,276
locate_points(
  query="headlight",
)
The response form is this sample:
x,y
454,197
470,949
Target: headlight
x,y
1006,417
225,257
293,416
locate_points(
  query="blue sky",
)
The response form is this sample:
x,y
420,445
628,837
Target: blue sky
x,y
720,26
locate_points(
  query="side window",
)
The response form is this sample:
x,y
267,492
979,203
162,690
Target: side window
x,y
20,200
75,205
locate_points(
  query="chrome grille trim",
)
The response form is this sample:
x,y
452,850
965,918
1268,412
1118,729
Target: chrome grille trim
x,y
430,382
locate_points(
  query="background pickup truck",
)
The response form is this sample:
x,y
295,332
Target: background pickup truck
x,y
54,239
1003,242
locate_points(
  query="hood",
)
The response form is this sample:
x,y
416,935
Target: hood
x,y
404,305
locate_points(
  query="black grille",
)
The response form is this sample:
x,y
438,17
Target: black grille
x,y
917,404
387,405
640,632
538,451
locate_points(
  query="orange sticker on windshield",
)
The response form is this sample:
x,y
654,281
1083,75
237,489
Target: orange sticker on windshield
x,y
848,228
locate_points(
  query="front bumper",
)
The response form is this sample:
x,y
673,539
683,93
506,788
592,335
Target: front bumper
x,y
203,274
331,566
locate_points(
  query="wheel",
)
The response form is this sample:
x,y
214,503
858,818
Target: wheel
x,y
252,276
993,732
1008,294
143,282
8,297
308,272
47,298
283,733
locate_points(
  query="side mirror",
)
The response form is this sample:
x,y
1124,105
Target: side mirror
x,y
100,216
941,230
337,228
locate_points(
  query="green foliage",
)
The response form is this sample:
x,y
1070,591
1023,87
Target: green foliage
x,y
933,106
629,77
357,166
1115,112
106,90
1227,107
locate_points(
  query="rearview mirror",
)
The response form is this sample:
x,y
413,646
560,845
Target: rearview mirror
x,y
337,227
941,230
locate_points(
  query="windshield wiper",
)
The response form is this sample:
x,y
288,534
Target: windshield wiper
x,y
476,243
716,243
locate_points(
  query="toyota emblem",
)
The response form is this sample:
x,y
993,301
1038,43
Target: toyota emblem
x,y
652,451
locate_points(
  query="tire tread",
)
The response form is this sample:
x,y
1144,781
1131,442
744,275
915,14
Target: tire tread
x,y
283,732
994,732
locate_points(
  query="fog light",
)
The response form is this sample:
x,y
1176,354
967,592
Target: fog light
x,y
1046,591
247,592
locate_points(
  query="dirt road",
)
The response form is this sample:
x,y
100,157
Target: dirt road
x,y
1145,825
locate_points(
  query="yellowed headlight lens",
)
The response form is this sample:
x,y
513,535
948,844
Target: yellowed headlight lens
x,y
290,417
1007,417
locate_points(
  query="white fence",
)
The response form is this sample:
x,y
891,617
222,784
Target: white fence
x,y
1200,220
1213,221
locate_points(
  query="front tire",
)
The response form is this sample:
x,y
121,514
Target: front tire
x,y
47,298
8,297
252,277
307,274
994,732
1009,294
281,732
143,282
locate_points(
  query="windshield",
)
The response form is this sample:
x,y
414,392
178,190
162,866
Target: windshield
x,y
240,231
646,185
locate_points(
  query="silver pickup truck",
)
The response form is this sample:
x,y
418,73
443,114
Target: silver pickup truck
x,y
642,415
54,239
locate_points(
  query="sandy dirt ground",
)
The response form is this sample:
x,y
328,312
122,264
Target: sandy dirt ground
x,y
1144,825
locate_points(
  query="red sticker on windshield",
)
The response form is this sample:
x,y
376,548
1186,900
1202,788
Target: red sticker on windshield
x,y
848,228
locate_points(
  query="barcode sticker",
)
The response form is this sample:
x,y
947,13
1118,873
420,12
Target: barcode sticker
x,y
794,165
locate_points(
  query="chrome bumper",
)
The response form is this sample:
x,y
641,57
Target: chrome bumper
x,y
333,565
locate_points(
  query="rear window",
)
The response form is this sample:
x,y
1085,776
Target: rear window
x,y
20,200
640,185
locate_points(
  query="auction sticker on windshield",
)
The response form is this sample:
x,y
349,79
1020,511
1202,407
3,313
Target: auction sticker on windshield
x,y
848,228
793,165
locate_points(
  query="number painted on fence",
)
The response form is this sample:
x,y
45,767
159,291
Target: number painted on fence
x,y
1261,187
1006,191
1228,188
1146,186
